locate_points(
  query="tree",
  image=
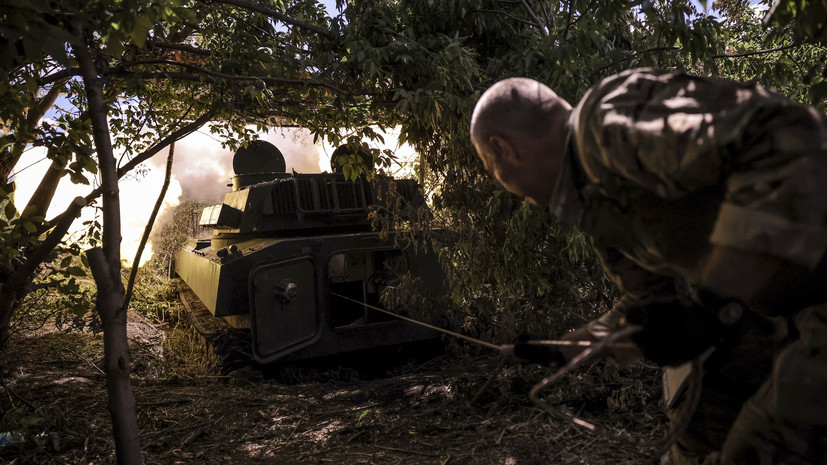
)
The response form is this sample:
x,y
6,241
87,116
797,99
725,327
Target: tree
x,y
785,56
124,67
144,74
804,19
509,259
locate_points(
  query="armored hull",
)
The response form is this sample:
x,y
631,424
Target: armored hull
x,y
285,247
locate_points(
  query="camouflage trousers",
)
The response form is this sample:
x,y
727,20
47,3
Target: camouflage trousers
x,y
764,399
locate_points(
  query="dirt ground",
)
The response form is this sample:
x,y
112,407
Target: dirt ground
x,y
441,409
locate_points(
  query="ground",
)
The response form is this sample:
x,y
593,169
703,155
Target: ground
x,y
445,409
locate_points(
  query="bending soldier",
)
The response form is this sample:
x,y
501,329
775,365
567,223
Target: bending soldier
x,y
707,202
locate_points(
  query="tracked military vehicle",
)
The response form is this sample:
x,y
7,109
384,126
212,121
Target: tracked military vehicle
x,y
285,249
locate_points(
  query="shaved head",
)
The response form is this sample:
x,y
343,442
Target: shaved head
x,y
521,108
519,128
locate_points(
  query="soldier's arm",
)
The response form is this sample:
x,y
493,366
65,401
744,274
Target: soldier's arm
x,y
638,287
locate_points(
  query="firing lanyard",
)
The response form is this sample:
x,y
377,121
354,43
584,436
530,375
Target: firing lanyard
x,y
592,350
500,348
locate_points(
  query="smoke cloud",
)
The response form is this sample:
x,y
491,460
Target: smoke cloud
x,y
202,170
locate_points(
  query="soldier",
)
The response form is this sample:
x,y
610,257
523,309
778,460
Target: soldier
x,y
706,200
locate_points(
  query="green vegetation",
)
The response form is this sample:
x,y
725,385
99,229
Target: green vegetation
x,y
415,64
140,75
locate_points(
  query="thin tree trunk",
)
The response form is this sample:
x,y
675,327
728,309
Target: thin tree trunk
x,y
148,229
45,192
105,263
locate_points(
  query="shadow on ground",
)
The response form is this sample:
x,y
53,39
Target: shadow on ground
x,y
440,409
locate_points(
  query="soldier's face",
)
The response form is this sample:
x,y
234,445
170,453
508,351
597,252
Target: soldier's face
x,y
525,180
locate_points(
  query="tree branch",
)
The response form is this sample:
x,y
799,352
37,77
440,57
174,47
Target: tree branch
x,y
65,73
142,157
635,54
279,16
133,273
45,102
568,21
664,49
206,75
11,156
507,15
181,47
177,135
538,23
39,254
758,52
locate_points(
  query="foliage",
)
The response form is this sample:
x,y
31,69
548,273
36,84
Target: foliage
x,y
513,268
173,233
60,297
804,18
786,62
418,65
155,297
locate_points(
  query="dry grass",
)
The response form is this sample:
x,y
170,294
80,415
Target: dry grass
x,y
448,410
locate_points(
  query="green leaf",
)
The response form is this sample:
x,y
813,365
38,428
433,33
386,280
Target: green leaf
x,y
78,178
90,165
818,92
114,47
75,271
10,211
142,26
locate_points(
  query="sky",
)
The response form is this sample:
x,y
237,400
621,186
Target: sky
x,y
201,170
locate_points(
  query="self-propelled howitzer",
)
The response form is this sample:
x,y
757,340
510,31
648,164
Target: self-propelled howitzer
x,y
284,245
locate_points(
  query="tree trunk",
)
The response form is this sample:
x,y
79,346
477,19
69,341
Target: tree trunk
x,y
116,358
45,192
8,302
15,287
105,264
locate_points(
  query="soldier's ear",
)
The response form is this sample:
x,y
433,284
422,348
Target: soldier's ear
x,y
505,149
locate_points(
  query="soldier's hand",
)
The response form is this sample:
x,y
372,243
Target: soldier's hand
x,y
526,350
680,330
580,334
558,353
553,355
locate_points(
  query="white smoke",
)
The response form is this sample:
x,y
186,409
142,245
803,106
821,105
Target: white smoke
x,y
202,170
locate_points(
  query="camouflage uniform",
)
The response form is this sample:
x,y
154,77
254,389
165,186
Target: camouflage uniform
x,y
662,167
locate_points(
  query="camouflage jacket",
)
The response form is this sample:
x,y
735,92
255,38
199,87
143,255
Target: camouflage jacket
x,y
662,166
